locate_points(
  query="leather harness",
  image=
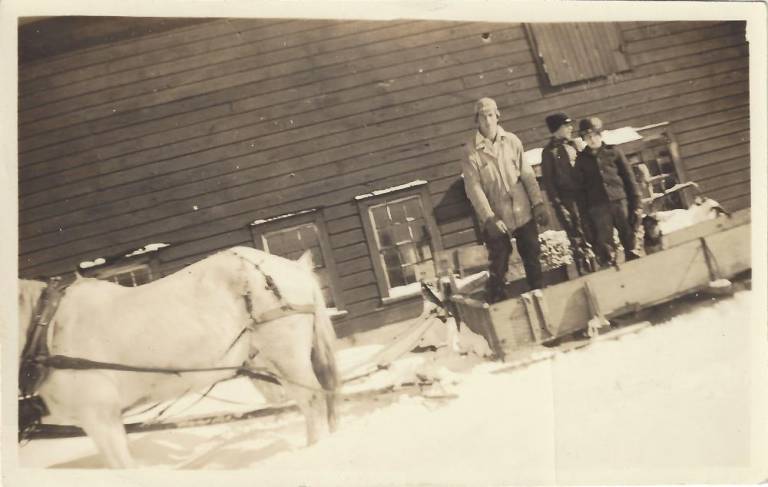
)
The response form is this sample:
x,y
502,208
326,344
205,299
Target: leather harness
x,y
36,360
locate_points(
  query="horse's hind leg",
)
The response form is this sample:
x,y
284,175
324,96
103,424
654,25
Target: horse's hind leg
x,y
286,344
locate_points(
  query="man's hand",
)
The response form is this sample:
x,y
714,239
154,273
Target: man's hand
x,y
540,214
566,215
635,217
496,228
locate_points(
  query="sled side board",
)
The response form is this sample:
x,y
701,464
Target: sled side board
x,y
706,228
653,279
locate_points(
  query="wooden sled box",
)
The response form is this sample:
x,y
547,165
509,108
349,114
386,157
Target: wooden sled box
x,y
692,258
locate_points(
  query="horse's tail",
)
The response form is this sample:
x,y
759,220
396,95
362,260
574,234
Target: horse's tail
x,y
324,357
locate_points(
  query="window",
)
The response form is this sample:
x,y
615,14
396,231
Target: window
x,y
126,275
293,234
402,237
573,52
132,269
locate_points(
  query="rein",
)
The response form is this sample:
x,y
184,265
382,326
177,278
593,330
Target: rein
x,y
73,363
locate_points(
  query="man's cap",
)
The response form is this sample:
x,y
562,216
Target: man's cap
x,y
485,103
557,120
590,125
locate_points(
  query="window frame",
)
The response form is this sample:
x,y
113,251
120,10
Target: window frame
x,y
260,228
419,189
107,272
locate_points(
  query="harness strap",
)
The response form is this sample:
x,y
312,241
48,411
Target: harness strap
x,y
75,363
284,308
31,373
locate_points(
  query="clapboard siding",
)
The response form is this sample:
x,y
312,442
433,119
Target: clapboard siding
x,y
187,137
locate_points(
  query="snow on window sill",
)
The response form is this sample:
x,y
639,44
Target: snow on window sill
x,y
336,313
402,293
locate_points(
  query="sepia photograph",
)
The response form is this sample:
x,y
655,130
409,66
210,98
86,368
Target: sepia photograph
x,y
349,243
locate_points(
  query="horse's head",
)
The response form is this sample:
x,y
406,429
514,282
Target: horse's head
x,y
29,294
306,260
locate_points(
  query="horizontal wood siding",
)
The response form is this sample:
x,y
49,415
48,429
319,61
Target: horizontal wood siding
x,y
188,135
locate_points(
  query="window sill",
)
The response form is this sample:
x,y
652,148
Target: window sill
x,y
401,297
336,313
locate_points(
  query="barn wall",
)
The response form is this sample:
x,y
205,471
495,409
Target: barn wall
x,y
188,135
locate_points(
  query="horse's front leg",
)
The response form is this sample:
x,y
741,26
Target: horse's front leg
x,y
105,428
92,400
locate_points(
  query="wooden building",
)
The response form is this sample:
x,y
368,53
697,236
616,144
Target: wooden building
x,y
339,136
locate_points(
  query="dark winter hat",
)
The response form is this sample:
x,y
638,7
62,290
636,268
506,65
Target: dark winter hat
x,y
591,124
557,120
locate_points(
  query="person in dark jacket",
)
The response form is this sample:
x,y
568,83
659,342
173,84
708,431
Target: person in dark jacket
x,y
565,188
612,195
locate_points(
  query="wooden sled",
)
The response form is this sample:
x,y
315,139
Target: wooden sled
x,y
698,258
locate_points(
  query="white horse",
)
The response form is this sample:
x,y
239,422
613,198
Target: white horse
x,y
227,310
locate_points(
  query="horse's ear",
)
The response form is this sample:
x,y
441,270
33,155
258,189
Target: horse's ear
x,y
306,260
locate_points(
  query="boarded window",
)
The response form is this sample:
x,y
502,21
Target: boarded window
x,y
402,239
291,236
573,52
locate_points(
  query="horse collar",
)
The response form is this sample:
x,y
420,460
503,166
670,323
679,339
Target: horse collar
x,y
31,371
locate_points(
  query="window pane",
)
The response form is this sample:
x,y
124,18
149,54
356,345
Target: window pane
x,y
409,274
380,216
396,277
391,258
397,212
402,233
413,208
408,254
385,238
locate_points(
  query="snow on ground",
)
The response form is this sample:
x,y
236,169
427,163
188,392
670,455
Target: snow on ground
x,y
670,403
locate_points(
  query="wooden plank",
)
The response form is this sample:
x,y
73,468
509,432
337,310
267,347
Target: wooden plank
x,y
279,104
707,228
727,139
359,279
665,30
668,54
93,226
718,168
231,43
100,67
695,33
732,250
714,156
69,191
733,191
349,76
708,54
743,201
219,68
353,266
696,129
380,53
364,107
361,111
49,67
511,324
723,180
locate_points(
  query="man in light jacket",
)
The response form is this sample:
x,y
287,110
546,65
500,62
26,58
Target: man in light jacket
x,y
504,193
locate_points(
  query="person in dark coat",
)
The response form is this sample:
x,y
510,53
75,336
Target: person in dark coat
x,y
565,188
612,195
